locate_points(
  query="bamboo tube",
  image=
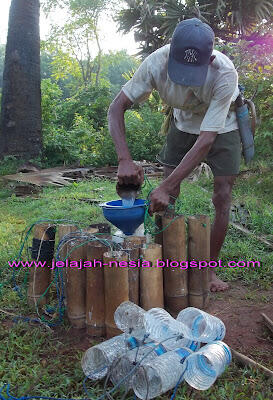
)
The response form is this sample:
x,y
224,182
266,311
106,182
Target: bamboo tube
x,y
75,285
199,250
174,249
95,308
132,245
39,278
64,230
158,222
116,288
151,279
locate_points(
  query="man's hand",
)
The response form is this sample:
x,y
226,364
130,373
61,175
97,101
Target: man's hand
x,y
159,199
130,173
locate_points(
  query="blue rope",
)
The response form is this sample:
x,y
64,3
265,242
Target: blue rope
x,y
84,386
179,381
25,319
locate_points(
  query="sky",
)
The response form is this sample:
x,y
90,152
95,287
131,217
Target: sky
x,y
110,39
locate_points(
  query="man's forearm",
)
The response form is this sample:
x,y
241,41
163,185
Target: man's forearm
x,y
128,171
117,126
194,156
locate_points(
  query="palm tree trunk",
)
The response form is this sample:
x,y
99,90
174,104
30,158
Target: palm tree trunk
x,y
21,100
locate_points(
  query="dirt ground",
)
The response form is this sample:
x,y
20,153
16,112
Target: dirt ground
x,y
240,309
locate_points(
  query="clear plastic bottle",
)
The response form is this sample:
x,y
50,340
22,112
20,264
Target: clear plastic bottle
x,y
149,351
156,377
162,326
128,316
201,326
204,366
97,360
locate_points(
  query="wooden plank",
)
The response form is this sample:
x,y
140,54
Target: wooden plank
x,y
248,362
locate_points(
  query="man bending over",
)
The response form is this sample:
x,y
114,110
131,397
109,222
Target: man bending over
x,y
200,83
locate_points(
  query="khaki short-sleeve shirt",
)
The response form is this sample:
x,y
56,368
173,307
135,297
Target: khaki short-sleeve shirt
x,y
204,108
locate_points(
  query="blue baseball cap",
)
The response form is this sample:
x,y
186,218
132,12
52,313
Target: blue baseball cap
x,y
190,52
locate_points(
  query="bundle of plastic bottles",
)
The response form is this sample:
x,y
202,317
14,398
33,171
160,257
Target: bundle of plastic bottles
x,y
157,352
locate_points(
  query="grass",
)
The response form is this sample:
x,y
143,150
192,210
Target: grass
x,y
36,361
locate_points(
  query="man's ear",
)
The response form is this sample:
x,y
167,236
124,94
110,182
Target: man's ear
x,y
212,58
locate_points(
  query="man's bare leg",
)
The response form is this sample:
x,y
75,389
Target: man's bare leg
x,y
221,200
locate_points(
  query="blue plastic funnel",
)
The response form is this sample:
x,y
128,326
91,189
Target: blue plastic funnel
x,y
127,219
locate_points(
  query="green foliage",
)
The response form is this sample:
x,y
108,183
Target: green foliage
x,y
8,165
142,128
70,46
244,17
63,65
79,145
51,95
75,129
76,6
46,67
263,86
115,66
91,102
154,21
76,44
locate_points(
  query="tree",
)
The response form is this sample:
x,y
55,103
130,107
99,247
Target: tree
x,y
154,21
75,45
21,98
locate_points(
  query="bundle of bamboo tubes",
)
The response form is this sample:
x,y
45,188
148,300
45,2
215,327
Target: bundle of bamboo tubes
x,y
184,286
93,294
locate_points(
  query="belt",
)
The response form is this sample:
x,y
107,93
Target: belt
x,y
202,108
